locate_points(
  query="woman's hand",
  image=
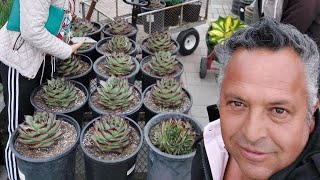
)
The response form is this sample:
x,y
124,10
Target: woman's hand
x,y
76,46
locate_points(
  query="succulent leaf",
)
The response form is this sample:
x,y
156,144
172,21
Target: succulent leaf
x,y
176,137
40,130
160,42
59,93
116,93
119,44
163,63
119,64
120,27
111,133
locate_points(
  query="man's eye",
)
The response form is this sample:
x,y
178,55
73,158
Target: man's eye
x,y
236,103
279,110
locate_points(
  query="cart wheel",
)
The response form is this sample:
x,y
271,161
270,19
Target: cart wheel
x,y
203,67
188,41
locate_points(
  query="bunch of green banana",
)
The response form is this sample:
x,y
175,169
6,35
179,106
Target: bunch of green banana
x,y
223,28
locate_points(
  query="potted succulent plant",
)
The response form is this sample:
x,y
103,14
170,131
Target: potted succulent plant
x,y
116,96
61,96
161,65
77,68
170,137
84,28
172,15
167,95
110,144
159,41
117,44
117,64
120,27
156,19
44,146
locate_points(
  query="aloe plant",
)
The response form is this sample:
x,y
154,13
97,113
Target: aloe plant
x,y
119,44
163,63
39,131
120,27
167,93
59,93
81,28
69,67
176,137
116,93
111,133
119,64
159,41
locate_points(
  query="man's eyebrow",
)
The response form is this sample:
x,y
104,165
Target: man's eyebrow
x,y
233,96
279,102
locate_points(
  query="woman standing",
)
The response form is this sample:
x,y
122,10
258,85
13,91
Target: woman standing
x,y
22,56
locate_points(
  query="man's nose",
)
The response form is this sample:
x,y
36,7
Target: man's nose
x,y
255,127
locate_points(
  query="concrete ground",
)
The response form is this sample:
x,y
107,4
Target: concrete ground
x,y
204,91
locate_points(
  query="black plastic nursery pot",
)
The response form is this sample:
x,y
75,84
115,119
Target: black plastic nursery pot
x,y
105,40
131,77
146,52
191,12
150,113
92,53
121,169
83,78
166,166
133,114
171,15
156,19
132,35
149,79
60,167
76,113
97,34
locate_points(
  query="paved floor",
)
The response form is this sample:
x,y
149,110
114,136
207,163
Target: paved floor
x,y
204,91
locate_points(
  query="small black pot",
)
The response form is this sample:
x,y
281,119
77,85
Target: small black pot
x,y
83,78
146,52
92,53
149,113
172,15
76,113
131,77
133,114
104,40
132,35
149,79
157,22
191,12
98,169
60,167
97,34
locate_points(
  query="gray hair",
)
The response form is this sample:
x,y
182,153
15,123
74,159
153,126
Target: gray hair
x,y
273,35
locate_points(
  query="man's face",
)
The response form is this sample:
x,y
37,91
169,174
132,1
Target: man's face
x,y
263,110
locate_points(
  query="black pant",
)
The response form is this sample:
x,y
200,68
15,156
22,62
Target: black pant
x,y
17,90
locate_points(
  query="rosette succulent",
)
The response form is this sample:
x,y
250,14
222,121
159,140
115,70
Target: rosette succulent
x,y
39,131
59,93
69,67
119,44
119,64
116,93
120,27
163,63
167,93
111,133
81,28
160,41
176,137
155,3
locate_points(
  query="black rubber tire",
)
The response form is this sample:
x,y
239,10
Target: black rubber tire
x,y
182,37
203,67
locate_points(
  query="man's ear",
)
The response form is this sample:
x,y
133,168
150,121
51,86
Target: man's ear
x,y
315,107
